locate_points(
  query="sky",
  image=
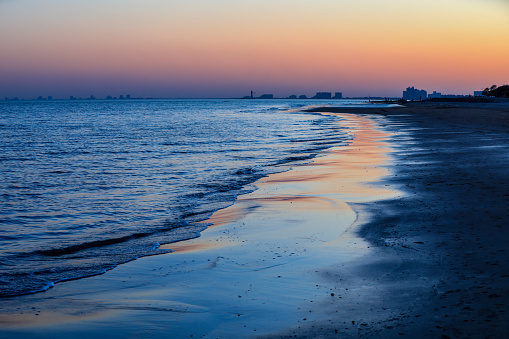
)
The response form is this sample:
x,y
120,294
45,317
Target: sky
x,y
226,48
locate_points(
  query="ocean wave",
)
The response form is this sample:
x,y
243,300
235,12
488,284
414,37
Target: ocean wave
x,y
88,198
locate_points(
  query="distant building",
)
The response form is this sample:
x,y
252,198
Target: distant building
x,y
453,96
39,97
338,95
412,93
50,97
92,97
435,94
323,95
266,96
293,96
109,97
72,98
121,97
128,96
478,94
303,96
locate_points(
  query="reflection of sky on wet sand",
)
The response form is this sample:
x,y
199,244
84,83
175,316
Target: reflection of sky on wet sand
x,y
296,223
186,247
262,254
324,186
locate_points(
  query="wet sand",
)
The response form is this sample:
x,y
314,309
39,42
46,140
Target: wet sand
x,y
440,268
257,270
403,232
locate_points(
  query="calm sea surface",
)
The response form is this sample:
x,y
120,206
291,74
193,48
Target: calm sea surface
x,y
87,185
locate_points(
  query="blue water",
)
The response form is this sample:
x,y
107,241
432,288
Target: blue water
x,y
87,185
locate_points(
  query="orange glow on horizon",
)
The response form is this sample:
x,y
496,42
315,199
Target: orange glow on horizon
x,y
278,45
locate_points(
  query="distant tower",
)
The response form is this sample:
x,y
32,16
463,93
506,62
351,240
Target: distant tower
x,y
251,94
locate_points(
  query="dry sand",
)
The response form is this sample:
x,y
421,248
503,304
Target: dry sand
x,y
424,254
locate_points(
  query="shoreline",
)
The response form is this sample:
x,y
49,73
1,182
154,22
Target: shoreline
x,y
442,259
254,272
429,261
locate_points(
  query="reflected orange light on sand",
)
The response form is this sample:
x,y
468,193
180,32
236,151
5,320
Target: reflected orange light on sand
x,y
342,173
56,315
189,246
315,190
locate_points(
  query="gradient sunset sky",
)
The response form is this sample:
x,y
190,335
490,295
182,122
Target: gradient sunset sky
x,y
225,48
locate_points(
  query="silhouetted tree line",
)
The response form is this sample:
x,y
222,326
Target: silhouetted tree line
x,y
499,92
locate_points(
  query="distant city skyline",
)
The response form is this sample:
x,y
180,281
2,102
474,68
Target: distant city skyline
x,y
197,49
410,93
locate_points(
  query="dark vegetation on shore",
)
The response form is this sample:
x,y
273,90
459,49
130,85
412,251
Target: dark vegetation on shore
x,y
462,99
469,99
498,92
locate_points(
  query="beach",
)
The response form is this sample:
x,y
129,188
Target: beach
x,y
442,263
401,232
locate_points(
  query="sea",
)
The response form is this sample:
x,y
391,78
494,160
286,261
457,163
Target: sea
x,y
87,185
